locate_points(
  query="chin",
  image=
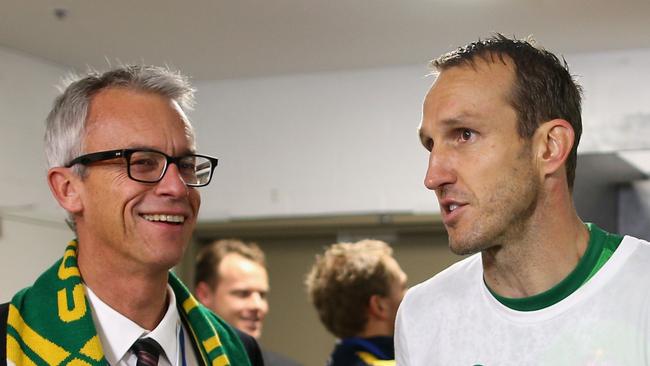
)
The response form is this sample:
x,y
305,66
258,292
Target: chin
x,y
462,250
467,246
476,238
168,261
253,333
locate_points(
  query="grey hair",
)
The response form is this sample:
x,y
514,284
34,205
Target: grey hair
x,y
65,124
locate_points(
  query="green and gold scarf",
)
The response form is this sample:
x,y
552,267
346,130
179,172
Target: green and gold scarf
x,y
50,323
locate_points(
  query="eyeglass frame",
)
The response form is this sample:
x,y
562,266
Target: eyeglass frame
x,y
98,156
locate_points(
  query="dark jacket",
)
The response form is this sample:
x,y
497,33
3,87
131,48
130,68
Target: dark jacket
x,y
4,313
346,352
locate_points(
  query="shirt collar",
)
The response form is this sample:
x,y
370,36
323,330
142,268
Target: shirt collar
x,y
117,333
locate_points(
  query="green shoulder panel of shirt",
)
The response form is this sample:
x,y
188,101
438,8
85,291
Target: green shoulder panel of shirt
x,y
600,248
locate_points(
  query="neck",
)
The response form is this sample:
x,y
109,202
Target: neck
x,y
544,253
376,328
140,296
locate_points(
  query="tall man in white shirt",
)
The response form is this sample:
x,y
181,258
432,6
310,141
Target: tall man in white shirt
x,y
122,163
502,124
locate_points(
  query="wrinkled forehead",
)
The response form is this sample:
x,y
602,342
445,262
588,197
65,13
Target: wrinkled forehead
x,y
138,118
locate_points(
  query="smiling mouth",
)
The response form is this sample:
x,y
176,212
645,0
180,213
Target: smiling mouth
x,y
172,219
251,318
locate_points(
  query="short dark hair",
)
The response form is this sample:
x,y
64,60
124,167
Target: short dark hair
x,y
342,280
543,88
211,255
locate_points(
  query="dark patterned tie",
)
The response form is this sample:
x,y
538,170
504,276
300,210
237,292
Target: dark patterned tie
x,y
147,351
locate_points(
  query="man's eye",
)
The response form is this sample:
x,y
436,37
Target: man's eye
x,y
241,294
427,143
466,135
150,162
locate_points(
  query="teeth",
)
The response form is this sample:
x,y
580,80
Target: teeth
x,y
165,218
452,207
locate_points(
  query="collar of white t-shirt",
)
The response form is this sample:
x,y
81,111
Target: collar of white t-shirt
x,y
117,333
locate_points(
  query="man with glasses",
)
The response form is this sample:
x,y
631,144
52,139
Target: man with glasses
x,y
122,163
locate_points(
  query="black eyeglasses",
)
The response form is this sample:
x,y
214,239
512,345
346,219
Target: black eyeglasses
x,y
149,166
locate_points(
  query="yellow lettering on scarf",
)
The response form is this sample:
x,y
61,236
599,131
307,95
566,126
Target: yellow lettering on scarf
x,y
222,360
67,272
78,304
93,349
50,352
78,362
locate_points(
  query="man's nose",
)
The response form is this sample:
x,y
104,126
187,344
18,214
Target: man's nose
x,y
439,170
257,301
172,183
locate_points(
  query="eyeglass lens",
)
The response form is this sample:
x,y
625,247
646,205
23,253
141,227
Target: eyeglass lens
x,y
149,166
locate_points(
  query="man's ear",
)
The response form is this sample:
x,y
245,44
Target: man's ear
x,y
377,307
203,293
553,143
65,186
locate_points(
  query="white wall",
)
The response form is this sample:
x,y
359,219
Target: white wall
x,y
30,241
313,144
616,109
347,142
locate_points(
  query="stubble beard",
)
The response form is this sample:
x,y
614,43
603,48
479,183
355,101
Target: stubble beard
x,y
504,217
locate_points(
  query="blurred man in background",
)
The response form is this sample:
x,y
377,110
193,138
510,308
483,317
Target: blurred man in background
x,y
356,289
231,279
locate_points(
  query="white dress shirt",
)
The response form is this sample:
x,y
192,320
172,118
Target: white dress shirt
x,y
117,334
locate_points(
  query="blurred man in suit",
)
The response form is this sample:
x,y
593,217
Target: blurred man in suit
x,y
231,279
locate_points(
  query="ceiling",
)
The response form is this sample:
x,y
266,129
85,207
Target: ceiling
x,y
217,39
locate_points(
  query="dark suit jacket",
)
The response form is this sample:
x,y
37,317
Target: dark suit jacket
x,y
4,313
252,348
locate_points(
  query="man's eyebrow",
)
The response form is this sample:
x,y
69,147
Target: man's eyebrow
x,y
447,122
459,120
139,147
187,151
423,137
